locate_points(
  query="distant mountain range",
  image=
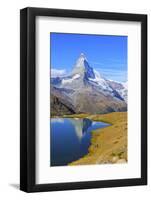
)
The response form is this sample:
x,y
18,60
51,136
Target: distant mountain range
x,y
86,91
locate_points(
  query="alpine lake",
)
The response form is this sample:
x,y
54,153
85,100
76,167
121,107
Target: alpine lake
x,y
70,139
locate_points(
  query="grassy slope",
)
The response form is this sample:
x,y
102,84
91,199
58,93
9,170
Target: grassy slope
x,y
109,144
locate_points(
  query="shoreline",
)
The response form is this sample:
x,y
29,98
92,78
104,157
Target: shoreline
x,y
108,144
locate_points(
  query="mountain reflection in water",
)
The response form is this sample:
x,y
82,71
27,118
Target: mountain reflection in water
x,y
70,139
81,126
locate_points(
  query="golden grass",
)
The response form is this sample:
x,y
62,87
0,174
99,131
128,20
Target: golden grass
x,y
109,144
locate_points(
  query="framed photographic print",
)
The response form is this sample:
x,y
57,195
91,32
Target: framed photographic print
x,y
83,98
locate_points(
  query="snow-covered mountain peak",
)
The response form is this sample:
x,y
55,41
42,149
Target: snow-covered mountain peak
x,y
79,66
82,56
125,84
84,77
82,67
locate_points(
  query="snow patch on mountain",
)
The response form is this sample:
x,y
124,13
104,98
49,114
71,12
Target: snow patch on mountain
x,y
70,80
120,87
100,81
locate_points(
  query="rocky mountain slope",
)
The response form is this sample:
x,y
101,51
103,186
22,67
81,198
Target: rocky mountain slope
x,y
59,108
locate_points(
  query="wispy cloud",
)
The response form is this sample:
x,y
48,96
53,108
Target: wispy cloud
x,y
108,62
117,75
57,72
111,69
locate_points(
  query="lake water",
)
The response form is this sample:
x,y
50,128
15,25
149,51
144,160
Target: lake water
x,y
70,139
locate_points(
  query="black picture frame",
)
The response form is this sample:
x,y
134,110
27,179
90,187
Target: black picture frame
x,y
28,99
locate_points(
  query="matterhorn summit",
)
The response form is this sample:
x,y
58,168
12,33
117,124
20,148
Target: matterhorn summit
x,y
82,67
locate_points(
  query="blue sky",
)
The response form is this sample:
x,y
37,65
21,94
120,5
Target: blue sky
x,y
105,53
